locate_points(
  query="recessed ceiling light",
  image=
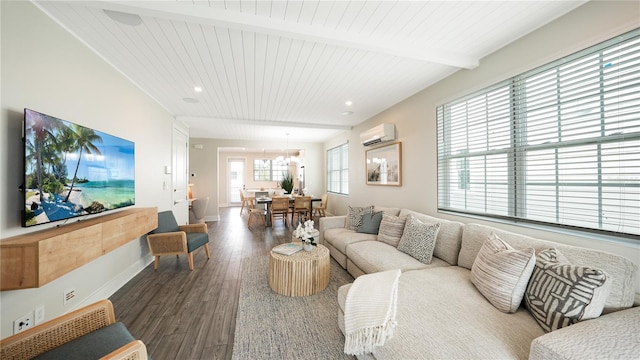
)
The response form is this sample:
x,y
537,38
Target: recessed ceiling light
x,y
123,17
190,100
347,113
197,89
349,103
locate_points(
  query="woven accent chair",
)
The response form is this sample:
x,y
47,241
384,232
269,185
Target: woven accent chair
x,y
301,207
280,209
90,332
173,239
320,209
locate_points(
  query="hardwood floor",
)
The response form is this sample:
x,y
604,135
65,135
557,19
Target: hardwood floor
x,y
182,314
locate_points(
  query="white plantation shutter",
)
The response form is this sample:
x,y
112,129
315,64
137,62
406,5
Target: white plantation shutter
x,y
557,145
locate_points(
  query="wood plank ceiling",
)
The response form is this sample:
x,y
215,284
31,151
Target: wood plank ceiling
x,y
267,68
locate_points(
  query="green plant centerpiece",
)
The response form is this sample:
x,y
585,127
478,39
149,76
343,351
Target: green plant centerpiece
x,y
287,183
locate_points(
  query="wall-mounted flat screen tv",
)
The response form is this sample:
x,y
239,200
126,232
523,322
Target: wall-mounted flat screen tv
x,y
71,170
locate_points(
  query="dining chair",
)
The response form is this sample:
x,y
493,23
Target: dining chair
x,y
320,209
280,209
258,212
246,201
301,207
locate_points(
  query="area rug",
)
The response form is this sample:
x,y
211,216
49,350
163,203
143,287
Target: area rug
x,y
273,326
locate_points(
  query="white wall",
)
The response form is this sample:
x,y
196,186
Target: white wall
x,y
210,168
415,118
47,69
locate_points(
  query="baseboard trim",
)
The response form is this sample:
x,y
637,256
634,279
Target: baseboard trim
x,y
116,283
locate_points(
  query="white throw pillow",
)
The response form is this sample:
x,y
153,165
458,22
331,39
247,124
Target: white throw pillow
x,y
560,294
391,229
501,273
419,239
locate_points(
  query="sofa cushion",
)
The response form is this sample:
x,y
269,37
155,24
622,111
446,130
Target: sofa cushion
x,y
501,273
340,238
621,271
418,239
93,345
449,236
441,315
374,256
614,336
354,216
391,228
560,294
370,223
387,210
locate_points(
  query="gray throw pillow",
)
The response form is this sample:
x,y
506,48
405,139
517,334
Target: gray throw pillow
x,y
501,273
419,239
370,223
391,229
354,216
560,294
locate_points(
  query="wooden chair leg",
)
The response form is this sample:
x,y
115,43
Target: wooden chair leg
x,y
207,251
156,262
190,256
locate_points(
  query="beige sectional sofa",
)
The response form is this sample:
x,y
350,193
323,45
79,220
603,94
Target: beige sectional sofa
x,y
442,315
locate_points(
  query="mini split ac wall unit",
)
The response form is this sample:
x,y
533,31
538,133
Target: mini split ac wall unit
x,y
378,134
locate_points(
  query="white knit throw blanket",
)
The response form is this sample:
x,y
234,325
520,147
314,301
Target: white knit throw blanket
x,y
370,311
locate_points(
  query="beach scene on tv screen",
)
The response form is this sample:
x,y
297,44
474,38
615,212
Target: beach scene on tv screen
x,y
72,170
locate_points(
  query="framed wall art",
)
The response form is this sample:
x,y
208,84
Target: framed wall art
x,y
384,165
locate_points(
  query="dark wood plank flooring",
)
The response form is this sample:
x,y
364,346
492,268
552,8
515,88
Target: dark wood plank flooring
x,y
182,314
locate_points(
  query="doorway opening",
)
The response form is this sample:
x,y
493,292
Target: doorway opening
x,y
236,179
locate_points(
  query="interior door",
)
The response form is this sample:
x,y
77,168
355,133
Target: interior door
x,y
179,176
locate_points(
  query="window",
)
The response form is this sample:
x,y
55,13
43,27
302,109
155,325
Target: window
x,y
268,170
338,169
557,145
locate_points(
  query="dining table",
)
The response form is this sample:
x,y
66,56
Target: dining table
x,y
267,200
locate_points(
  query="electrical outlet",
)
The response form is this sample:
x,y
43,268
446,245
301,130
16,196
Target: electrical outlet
x,y
69,295
23,323
39,315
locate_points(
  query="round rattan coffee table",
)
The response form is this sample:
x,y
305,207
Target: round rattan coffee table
x,y
301,274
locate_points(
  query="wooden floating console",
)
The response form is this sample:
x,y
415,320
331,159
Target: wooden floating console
x,y
37,258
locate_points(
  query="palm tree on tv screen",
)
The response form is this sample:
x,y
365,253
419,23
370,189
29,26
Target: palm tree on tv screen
x,y
85,141
43,133
66,144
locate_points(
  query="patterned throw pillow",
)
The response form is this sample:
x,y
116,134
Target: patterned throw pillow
x,y
354,216
418,239
560,294
370,223
501,273
391,228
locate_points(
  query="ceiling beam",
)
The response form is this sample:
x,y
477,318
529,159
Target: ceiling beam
x,y
235,20
210,120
